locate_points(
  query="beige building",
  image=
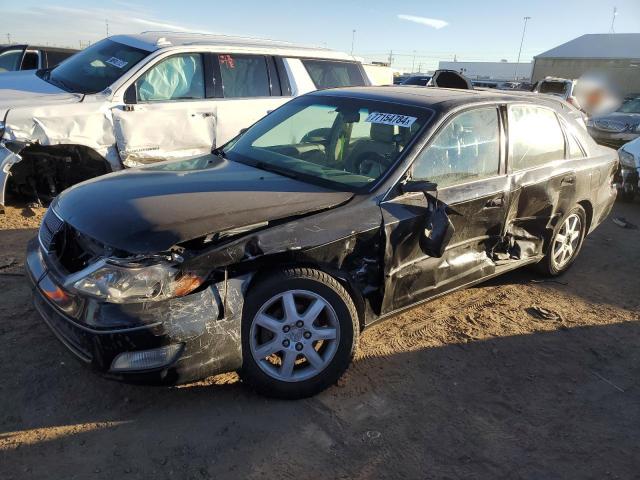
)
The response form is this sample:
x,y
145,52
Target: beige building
x,y
617,54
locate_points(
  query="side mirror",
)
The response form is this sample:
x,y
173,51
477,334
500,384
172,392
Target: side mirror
x,y
130,96
418,186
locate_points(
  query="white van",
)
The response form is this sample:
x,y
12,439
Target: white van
x,y
134,99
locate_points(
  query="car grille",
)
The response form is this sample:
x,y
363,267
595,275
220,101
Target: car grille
x,y
51,226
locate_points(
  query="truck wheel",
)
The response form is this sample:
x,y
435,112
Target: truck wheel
x,y
299,333
565,243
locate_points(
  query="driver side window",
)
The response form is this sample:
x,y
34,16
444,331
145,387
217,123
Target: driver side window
x,y
180,77
467,149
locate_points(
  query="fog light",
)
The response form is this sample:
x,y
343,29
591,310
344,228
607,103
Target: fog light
x,y
146,359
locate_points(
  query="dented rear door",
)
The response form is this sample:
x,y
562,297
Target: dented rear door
x,y
543,184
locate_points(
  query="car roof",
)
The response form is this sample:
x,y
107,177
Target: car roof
x,y
156,40
432,97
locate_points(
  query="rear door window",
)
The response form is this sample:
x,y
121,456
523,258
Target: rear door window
x,y
244,75
332,74
535,136
180,77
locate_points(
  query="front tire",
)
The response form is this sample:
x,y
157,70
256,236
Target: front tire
x,y
299,333
565,244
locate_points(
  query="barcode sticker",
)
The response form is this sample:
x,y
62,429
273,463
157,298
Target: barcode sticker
x,y
390,119
116,62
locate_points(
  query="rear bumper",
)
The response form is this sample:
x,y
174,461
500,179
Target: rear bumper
x,y
96,333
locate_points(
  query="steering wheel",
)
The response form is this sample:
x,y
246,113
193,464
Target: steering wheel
x,y
364,162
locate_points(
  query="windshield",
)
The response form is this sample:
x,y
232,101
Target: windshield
x,y
94,68
10,59
341,143
630,106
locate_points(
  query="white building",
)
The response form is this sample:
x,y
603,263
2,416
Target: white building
x,y
490,70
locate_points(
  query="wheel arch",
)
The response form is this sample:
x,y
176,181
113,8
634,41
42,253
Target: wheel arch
x,y
342,277
588,210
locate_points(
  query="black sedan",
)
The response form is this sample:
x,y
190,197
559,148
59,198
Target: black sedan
x,y
338,209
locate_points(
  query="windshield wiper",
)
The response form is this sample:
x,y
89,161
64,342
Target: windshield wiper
x,y
274,169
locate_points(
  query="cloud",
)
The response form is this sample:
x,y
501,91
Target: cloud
x,y
429,22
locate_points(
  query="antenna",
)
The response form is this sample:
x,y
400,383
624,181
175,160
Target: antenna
x,y
613,20
524,29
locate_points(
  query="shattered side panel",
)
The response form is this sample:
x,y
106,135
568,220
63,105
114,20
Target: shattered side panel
x,y
345,242
86,123
148,133
411,274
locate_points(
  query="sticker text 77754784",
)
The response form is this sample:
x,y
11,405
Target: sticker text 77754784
x,y
390,119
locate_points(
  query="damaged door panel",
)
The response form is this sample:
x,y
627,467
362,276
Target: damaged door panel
x,y
411,275
469,146
153,132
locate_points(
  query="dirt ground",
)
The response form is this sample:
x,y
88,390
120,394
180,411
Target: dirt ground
x,y
472,385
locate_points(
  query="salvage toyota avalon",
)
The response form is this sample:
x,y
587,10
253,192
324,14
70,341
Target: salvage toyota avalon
x,y
270,255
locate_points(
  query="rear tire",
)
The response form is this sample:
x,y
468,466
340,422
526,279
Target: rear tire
x,y
565,244
299,333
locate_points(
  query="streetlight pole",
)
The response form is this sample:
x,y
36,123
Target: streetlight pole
x,y
413,63
524,29
353,40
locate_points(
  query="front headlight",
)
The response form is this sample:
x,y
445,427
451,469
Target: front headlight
x,y
116,283
590,122
627,159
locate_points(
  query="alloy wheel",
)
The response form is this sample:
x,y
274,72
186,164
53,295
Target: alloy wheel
x,y
566,241
294,335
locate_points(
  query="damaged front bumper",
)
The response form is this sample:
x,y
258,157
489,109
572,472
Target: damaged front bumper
x,y
189,338
8,159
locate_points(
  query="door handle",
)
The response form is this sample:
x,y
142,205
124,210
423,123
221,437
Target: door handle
x,y
495,202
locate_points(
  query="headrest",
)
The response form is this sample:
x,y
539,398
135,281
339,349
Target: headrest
x,y
382,133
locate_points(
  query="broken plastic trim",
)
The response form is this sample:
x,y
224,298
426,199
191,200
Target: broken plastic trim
x,y
8,158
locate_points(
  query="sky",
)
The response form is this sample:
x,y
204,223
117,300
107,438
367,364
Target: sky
x,y
424,30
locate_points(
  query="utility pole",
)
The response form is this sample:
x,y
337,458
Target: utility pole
x,y
9,38
524,29
390,57
413,63
353,40
106,24
613,19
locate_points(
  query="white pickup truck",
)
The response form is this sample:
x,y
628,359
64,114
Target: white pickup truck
x,y
134,99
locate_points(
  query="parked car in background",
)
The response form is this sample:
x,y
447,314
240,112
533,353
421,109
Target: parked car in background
x,y
338,209
31,57
619,127
628,181
134,99
561,87
417,80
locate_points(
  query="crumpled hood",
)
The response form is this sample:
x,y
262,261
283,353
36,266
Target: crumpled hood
x,y
150,209
23,89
